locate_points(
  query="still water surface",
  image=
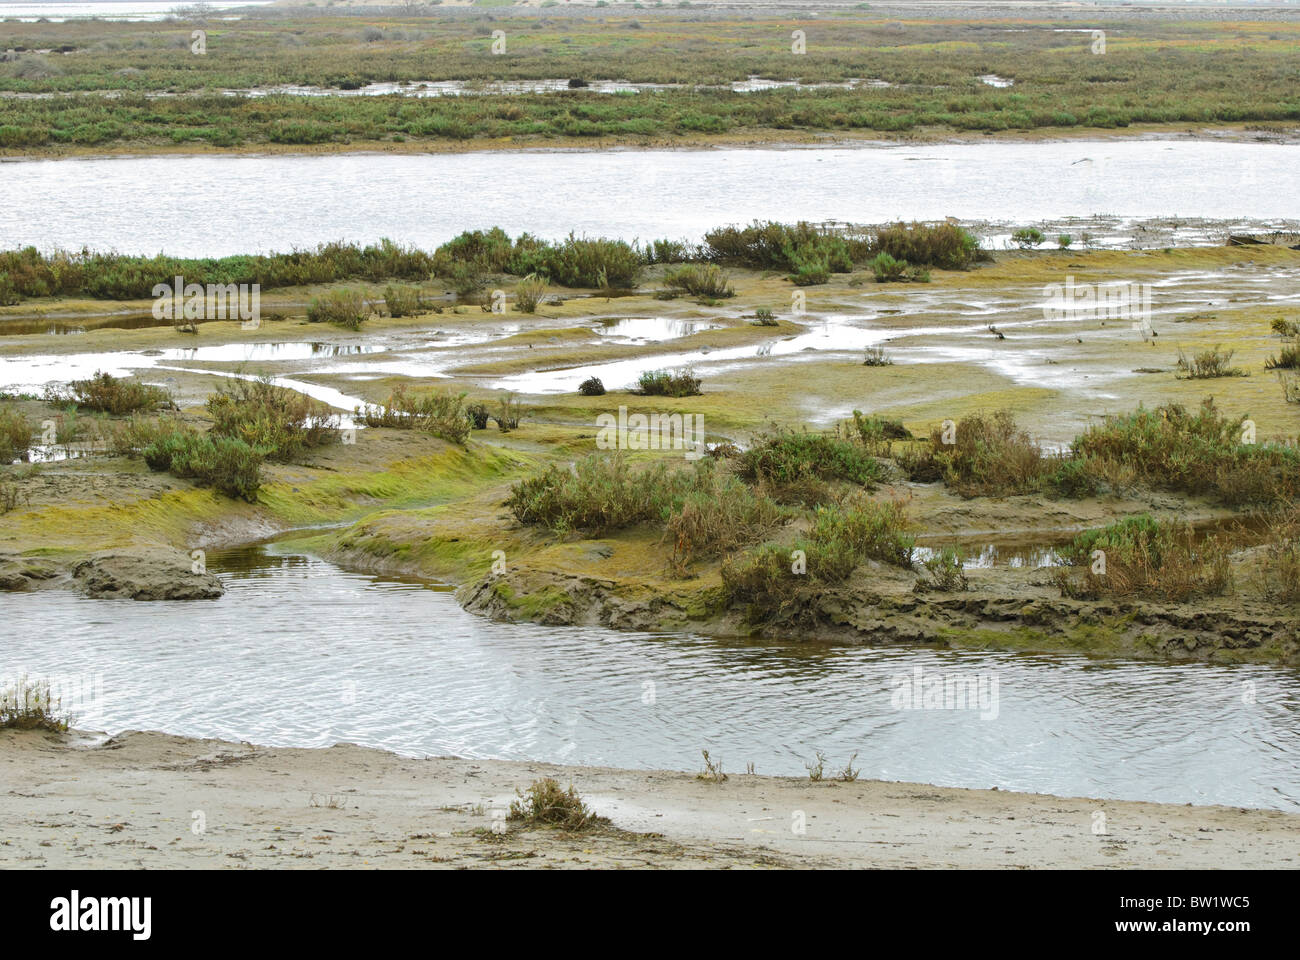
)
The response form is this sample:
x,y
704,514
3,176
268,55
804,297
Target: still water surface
x,y
299,652
220,205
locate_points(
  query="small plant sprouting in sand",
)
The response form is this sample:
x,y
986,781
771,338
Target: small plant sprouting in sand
x,y
1207,365
764,317
712,772
849,773
328,801
817,771
29,705
545,804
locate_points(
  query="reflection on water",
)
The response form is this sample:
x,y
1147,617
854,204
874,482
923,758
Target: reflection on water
x,y
299,652
648,329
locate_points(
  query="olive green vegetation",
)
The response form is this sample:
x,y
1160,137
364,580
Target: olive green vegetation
x,y
1151,72
812,251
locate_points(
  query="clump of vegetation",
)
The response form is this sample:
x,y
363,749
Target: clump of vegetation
x,y
670,251
700,280
876,433
546,804
529,292
712,772
1027,237
108,394
1064,241
764,317
987,456
947,572
230,466
15,434
943,245
592,387
665,383
30,705
403,301
1289,358
1142,556
875,357
716,515
437,412
1208,364
346,308
796,466
510,411
1201,453
888,270
1280,564
478,415
775,581
281,424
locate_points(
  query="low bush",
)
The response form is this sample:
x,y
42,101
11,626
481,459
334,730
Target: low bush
x,y
592,387
440,413
403,301
529,292
795,467
230,466
1144,557
663,383
545,804
281,424
15,435
510,410
30,705
108,394
700,280
1207,365
346,308
1027,237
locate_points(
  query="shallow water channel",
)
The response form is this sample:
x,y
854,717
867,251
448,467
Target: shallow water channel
x,y
300,652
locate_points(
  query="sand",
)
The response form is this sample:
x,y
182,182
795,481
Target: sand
x,y
145,799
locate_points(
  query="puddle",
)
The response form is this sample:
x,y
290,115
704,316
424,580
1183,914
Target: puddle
x,y
993,80
651,329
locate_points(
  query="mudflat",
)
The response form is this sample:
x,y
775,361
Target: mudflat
x,y
153,800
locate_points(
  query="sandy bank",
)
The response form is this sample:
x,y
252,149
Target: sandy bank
x,y
139,800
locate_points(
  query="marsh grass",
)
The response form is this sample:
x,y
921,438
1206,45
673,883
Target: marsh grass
x,y
529,292
229,465
346,308
437,412
105,393
768,580
796,466
667,383
281,424
545,804
30,705
1208,365
404,301
700,280
15,434
1144,557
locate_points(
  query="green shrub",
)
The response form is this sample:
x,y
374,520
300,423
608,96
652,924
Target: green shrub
x,y
403,301
946,570
478,415
529,292
230,466
663,383
281,424
592,387
15,435
1141,556
764,317
1208,364
1027,237
108,394
700,280
943,245
510,410
440,413
347,308
795,466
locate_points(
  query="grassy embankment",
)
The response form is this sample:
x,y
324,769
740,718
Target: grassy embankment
x,y
138,87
